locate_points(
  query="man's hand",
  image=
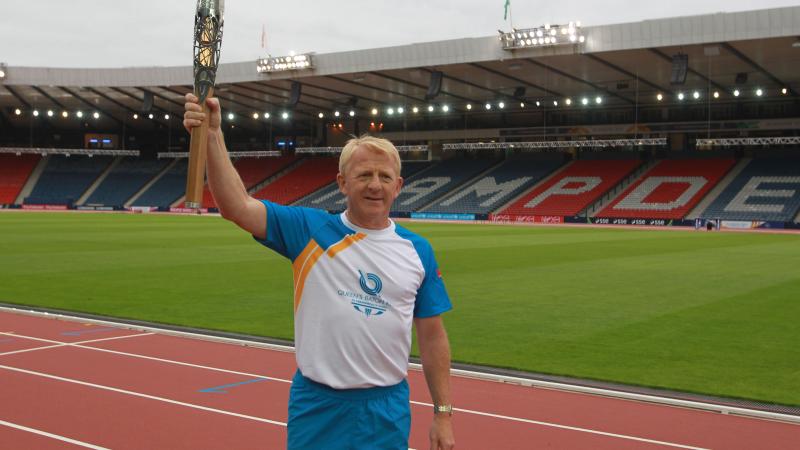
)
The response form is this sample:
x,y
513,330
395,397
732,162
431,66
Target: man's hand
x,y
441,433
193,116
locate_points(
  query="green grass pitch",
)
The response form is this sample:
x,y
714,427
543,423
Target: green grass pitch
x,y
696,311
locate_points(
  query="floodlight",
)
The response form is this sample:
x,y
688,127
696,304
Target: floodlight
x,y
353,113
285,115
135,116
49,113
255,115
230,116
415,110
501,105
64,114
320,115
696,95
736,92
659,97
400,110
79,113
445,108
17,111
430,108
716,94
488,106
469,106
35,113
681,96
598,100
96,115
266,115
166,116
389,111
337,114
374,111
568,101
759,92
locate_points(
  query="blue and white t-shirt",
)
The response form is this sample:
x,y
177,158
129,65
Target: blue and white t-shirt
x,y
356,292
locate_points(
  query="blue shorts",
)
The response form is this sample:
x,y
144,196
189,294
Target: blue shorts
x,y
321,417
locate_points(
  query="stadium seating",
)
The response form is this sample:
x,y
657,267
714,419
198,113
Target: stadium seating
x,y
426,187
66,178
497,187
252,171
125,179
329,197
307,177
14,172
767,189
168,189
572,189
670,189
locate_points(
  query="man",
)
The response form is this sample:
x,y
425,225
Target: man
x,y
359,281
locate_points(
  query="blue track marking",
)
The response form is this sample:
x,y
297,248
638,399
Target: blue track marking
x,y
221,389
89,331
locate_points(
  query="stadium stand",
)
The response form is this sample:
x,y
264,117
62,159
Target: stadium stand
x,y
252,171
168,189
310,175
424,188
669,190
66,178
497,187
572,189
125,180
767,189
14,171
329,197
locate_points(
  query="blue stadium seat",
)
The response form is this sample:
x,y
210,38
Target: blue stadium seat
x,y
766,190
65,179
168,189
496,188
125,180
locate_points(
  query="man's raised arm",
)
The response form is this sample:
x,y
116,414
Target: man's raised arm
x,y
233,201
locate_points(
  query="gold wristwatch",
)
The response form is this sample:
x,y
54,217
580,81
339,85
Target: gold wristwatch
x,y
443,409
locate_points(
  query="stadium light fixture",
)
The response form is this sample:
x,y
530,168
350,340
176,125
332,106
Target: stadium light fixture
x,y
784,91
135,116
96,115
35,113
445,108
337,114
283,63
716,94
415,110
501,105
430,108
759,92
230,116
598,100
285,115
353,113
166,117
736,92
568,101
49,113
266,115
584,101
3,71
374,111
660,97
488,106
469,106
546,35
696,95
389,111
538,103
64,114
555,102
79,114
681,96
522,105
17,111
255,116
320,115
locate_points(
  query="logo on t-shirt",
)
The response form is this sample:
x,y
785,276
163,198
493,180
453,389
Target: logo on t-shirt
x,y
371,284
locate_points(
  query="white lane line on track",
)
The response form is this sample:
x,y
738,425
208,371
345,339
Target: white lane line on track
x,y
567,427
153,358
139,394
63,344
468,411
51,435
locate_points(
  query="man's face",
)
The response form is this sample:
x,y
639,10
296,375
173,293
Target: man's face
x,y
370,183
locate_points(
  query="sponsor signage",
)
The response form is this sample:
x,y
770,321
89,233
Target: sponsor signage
x,y
519,218
45,207
188,210
443,216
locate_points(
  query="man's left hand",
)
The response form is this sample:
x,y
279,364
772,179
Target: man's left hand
x,y
441,433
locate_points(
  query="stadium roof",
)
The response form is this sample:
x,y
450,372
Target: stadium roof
x,y
623,64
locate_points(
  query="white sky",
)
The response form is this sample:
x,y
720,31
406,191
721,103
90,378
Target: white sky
x,y
115,33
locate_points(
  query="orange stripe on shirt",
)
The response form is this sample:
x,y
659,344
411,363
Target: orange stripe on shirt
x,y
304,271
348,240
298,262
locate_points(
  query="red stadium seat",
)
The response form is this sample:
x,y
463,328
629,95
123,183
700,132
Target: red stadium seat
x,y
14,172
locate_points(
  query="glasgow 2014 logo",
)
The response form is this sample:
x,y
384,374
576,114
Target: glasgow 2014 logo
x,y
371,284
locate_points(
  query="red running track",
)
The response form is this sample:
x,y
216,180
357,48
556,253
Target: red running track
x,y
68,384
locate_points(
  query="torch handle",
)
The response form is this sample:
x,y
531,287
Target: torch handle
x,y
198,147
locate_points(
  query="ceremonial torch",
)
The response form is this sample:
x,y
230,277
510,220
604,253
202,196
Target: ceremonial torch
x,y
208,21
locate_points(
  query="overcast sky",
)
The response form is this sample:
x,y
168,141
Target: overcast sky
x,y
116,33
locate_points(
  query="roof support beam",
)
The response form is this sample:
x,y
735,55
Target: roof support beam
x,y
628,74
580,80
690,70
516,80
91,106
756,66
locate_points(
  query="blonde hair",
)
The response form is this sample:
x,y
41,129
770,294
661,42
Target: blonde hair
x,y
373,143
